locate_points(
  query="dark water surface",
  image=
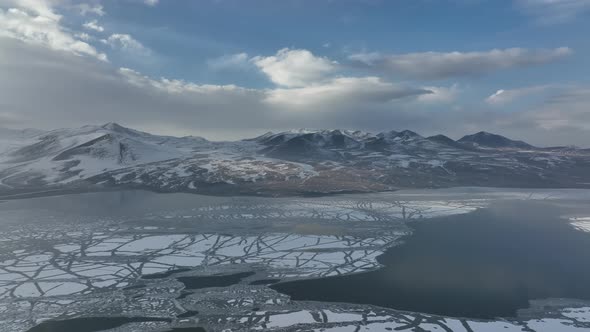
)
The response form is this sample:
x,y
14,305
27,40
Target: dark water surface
x,y
485,264
91,324
214,281
264,282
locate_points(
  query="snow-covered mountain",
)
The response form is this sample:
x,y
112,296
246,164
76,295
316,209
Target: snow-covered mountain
x,y
65,155
111,155
321,144
293,162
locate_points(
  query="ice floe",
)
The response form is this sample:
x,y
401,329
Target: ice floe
x,y
58,263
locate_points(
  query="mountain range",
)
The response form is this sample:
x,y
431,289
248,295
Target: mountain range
x,y
294,162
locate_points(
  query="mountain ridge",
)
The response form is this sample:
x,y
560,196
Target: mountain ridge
x,y
300,161
116,127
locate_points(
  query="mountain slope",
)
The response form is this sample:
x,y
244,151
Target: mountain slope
x,y
66,155
293,162
488,140
307,144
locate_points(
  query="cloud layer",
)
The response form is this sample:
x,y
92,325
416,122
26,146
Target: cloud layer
x,y
66,68
83,90
439,65
553,11
71,90
341,92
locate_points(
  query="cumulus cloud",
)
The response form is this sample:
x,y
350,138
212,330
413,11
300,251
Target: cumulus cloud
x,y
231,61
553,11
502,97
34,22
93,25
127,43
439,65
295,67
71,91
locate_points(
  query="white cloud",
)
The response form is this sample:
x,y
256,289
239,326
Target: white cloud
x,y
151,2
294,67
502,97
87,9
439,65
179,86
41,8
553,11
93,25
35,22
71,91
231,61
338,91
74,91
127,43
84,36
341,91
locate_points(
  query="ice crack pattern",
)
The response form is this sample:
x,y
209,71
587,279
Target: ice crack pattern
x,y
59,263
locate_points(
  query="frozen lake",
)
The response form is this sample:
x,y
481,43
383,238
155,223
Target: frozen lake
x,y
160,262
484,264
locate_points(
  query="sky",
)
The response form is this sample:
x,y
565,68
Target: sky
x,y
231,69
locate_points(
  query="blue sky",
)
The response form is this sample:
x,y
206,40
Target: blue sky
x,y
185,35
226,69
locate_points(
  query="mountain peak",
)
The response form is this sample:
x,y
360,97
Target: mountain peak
x,y
485,134
113,126
408,133
490,140
404,135
117,128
